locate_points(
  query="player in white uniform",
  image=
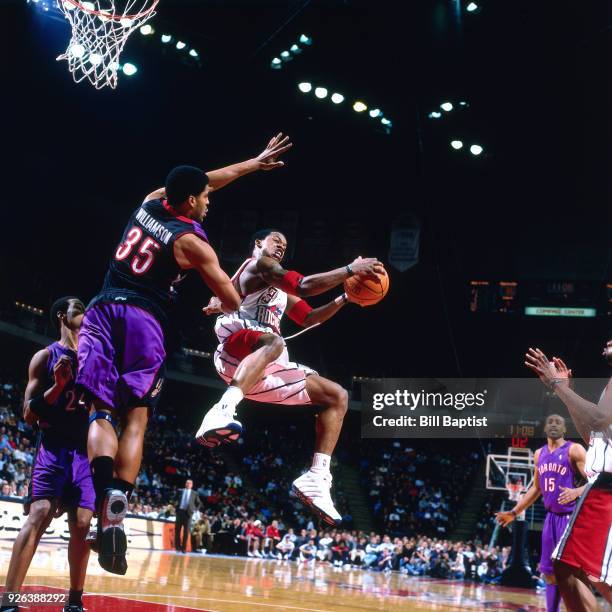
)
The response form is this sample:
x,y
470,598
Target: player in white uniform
x,y
252,357
583,556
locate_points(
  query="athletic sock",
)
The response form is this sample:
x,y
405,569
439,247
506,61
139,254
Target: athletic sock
x,y
102,476
74,598
320,463
125,486
553,599
232,396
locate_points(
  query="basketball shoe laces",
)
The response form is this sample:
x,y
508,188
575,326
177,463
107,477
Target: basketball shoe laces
x,y
315,488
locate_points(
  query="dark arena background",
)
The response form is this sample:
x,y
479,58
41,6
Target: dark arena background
x,y
478,174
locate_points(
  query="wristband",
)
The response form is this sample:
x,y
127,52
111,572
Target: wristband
x,y
341,299
555,382
349,270
513,513
40,408
290,282
299,312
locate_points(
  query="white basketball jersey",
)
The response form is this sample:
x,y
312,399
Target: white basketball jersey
x,y
263,308
599,454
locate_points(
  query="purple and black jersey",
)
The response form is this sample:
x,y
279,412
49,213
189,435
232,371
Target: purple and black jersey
x,y
69,425
555,470
61,468
143,271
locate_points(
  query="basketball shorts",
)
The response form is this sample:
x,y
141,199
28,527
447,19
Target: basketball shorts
x,y
554,527
121,355
62,473
284,381
587,540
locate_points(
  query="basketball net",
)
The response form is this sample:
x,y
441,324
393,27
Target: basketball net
x,y
100,29
515,493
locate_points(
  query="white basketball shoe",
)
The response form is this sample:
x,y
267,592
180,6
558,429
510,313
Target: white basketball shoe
x,y
313,489
219,426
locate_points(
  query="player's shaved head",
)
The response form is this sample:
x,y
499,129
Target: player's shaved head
x,y
554,426
184,181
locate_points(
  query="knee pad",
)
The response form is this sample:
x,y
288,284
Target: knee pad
x,y
105,416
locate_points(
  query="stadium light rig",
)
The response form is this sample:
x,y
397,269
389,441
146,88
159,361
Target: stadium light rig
x,y
359,106
180,46
31,309
295,49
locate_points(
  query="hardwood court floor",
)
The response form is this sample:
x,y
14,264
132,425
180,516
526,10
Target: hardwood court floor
x,y
165,582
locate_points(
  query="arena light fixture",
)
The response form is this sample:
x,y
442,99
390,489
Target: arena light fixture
x,y
471,7
180,45
375,112
147,30
386,122
337,98
321,92
447,106
276,63
305,87
194,53
359,107
295,49
166,38
435,115
129,69
456,144
476,149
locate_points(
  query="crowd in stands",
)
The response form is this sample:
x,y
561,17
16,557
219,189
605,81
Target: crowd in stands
x,y
414,556
17,442
416,490
414,495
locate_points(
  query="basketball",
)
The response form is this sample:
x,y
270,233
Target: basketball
x,y
366,291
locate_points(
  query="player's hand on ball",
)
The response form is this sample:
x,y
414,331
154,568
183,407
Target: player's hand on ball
x,y
268,158
567,495
504,518
213,307
62,372
367,267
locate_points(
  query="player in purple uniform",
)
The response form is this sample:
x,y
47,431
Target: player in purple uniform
x,y
61,477
122,345
558,464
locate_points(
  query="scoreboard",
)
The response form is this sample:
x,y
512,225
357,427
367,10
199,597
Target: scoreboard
x,y
545,298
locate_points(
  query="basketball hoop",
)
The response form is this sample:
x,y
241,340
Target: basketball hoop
x,y
100,29
514,490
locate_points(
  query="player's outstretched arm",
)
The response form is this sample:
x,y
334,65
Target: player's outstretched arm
x,y
193,253
300,312
266,160
586,415
38,402
304,286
